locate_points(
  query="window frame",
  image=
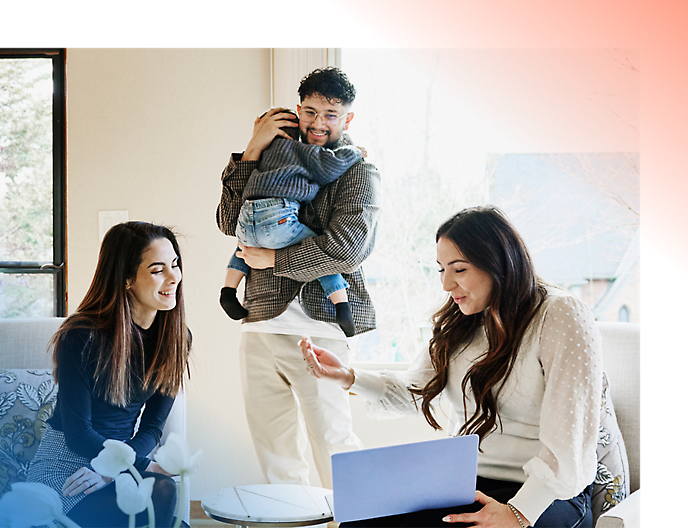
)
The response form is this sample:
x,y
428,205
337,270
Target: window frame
x,y
56,267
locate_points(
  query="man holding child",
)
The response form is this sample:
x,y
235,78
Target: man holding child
x,y
284,299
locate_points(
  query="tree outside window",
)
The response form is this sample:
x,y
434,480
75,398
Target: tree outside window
x,y
31,183
549,136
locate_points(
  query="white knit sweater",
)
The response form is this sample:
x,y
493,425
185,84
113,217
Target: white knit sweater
x,y
549,407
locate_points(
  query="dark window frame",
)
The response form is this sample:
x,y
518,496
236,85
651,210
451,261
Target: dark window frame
x,y
56,268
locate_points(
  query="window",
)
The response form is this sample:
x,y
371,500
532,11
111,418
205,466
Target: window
x,y
549,136
32,183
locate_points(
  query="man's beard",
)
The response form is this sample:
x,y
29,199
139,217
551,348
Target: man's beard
x,y
329,145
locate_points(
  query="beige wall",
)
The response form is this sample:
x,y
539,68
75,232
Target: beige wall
x,y
149,131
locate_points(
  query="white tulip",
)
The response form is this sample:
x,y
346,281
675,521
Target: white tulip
x,y
175,456
31,504
133,498
115,457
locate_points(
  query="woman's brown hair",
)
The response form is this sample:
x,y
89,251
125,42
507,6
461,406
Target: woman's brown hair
x,y
106,311
486,238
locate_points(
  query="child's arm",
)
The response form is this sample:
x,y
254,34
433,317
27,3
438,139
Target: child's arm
x,y
323,165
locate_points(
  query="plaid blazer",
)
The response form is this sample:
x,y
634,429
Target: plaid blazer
x,y
343,214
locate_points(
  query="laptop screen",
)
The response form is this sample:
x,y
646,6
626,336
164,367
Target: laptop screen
x,y
404,478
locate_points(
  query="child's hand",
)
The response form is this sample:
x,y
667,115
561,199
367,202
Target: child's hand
x,y
364,152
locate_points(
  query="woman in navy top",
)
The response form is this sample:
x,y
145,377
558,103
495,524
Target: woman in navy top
x,y
126,346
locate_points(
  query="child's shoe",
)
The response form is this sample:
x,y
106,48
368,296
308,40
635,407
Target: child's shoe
x,y
231,305
345,318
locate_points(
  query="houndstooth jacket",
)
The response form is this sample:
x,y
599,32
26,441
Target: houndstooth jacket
x,y
344,215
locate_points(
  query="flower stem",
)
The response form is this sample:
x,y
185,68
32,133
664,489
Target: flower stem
x,y
132,521
151,510
67,522
135,473
182,502
151,514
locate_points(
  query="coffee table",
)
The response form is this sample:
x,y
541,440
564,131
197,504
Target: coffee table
x,y
269,505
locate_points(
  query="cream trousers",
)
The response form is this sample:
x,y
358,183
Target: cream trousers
x,y
286,407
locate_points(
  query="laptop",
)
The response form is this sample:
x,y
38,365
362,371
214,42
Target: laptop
x,y
404,478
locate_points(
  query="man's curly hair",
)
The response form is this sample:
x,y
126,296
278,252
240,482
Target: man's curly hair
x,y
332,83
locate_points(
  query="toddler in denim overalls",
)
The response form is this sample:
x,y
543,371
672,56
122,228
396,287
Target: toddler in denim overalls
x,y
289,174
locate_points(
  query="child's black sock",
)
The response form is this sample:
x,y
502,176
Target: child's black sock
x,y
345,318
231,305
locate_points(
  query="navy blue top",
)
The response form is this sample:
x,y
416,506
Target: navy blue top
x,y
87,420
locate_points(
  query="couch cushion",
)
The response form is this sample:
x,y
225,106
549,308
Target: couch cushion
x,y
612,483
27,400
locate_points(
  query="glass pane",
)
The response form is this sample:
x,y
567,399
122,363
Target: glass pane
x,y
450,129
579,215
26,295
26,224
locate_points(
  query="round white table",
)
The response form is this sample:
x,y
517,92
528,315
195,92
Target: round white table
x,y
269,505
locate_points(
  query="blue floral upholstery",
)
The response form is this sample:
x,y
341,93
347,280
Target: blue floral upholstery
x,y
612,483
27,400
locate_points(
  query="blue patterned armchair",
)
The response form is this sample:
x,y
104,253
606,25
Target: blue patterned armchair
x,y
28,393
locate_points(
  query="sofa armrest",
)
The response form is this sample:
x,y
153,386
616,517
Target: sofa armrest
x,y
626,514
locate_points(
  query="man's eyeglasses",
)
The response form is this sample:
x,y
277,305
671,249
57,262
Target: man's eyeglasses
x,y
329,119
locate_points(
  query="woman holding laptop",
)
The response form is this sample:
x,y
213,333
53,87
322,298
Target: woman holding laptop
x,y
520,362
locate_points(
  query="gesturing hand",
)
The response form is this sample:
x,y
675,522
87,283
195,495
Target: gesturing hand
x,y
83,480
266,128
493,514
324,364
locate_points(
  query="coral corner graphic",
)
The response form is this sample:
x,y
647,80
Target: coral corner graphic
x,y
538,23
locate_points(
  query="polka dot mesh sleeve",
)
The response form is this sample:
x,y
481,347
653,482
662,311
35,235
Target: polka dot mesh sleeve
x,y
387,392
571,358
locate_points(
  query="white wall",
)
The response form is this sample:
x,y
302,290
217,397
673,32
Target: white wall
x,y
150,131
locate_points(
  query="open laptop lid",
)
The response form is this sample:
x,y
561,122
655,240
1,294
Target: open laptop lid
x,y
404,478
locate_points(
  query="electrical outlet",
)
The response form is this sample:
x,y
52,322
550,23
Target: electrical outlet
x,y
106,219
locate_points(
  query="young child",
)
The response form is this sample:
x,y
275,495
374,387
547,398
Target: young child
x,y
289,174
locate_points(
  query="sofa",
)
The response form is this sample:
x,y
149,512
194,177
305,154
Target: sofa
x,y
621,357
28,392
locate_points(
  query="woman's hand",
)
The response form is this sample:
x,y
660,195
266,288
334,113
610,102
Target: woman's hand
x,y
493,514
364,152
323,364
84,480
266,128
154,467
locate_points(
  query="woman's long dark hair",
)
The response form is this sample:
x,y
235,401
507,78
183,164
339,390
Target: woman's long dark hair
x,y
106,311
486,238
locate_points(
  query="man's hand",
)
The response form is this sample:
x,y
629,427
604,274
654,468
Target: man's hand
x,y
266,128
256,257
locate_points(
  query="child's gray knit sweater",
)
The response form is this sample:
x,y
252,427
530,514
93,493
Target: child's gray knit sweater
x,y
296,171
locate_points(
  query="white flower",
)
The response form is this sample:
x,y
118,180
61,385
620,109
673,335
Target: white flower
x,y
115,457
133,498
175,456
30,504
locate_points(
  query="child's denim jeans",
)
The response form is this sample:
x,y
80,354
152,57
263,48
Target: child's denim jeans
x,y
273,223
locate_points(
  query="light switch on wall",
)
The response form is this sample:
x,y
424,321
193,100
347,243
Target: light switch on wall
x,y
106,219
